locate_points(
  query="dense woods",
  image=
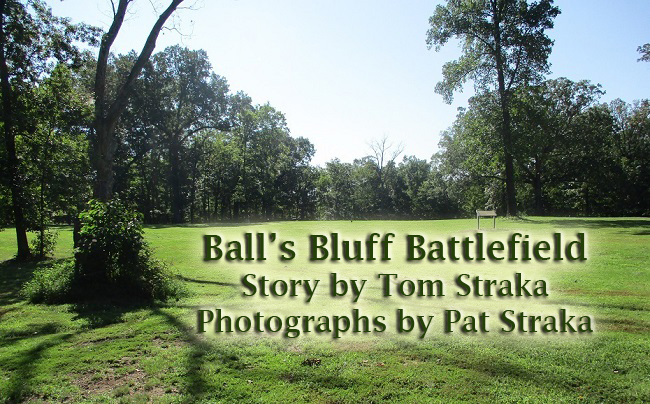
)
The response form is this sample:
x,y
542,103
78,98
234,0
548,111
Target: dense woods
x,y
188,149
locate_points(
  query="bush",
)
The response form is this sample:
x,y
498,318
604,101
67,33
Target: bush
x,y
46,241
112,260
52,284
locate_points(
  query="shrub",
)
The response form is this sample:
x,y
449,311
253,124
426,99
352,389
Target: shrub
x,y
44,243
112,260
52,284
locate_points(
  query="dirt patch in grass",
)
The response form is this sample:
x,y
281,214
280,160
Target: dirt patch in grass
x,y
295,348
166,342
118,382
99,340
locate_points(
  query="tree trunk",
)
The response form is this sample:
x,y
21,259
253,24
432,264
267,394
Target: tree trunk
x,y
216,211
537,189
511,200
17,198
15,183
506,134
192,196
193,184
175,180
104,152
107,114
41,199
587,199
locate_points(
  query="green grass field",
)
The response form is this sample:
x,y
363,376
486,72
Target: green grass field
x,y
104,353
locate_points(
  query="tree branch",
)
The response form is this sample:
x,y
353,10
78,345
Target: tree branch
x,y
123,94
102,60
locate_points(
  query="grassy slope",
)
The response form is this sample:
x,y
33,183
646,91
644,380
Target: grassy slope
x,y
54,353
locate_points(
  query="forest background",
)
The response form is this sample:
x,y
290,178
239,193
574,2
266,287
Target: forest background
x,y
191,150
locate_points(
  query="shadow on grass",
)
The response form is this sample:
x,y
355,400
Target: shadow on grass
x,y
515,365
23,368
31,331
202,225
196,384
518,219
30,347
13,275
102,313
625,306
204,282
601,223
27,347
243,361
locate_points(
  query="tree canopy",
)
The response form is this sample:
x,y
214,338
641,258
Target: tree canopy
x,y
504,46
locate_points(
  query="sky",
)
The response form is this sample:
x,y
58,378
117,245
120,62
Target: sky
x,y
347,73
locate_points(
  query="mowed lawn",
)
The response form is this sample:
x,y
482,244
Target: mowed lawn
x,y
135,353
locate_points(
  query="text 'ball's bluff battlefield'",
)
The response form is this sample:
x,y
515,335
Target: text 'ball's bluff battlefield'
x,y
518,247
378,247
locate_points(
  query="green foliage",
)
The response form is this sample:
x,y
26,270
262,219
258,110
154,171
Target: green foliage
x,y
35,37
51,284
573,155
33,42
180,96
193,150
113,260
503,40
504,46
336,188
44,243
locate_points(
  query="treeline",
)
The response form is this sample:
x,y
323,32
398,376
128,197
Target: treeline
x,y
573,154
190,150
187,149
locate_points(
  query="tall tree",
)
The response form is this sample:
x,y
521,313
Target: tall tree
x,y
544,117
383,155
504,45
56,151
413,173
107,112
30,38
336,190
181,97
470,156
632,144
